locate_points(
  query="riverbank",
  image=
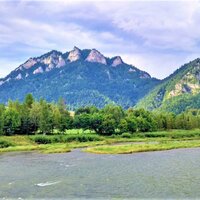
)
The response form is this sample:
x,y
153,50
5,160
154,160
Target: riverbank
x,y
144,147
153,141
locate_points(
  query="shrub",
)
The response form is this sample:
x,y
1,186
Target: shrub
x,y
156,134
185,135
93,138
57,139
82,138
126,135
173,135
5,144
41,139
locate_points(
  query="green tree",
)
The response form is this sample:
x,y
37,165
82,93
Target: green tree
x,y
82,121
128,124
96,121
108,125
87,110
29,100
46,118
64,118
116,112
132,124
11,121
34,115
102,124
123,126
143,124
2,110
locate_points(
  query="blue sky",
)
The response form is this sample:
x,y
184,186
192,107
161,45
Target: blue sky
x,y
155,36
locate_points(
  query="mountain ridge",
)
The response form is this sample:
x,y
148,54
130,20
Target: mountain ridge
x,y
176,93
56,59
87,77
107,80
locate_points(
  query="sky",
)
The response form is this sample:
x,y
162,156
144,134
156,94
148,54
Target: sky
x,y
155,36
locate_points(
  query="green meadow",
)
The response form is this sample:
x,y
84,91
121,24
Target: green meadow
x,y
93,143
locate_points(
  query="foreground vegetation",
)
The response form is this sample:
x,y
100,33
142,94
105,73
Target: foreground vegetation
x,y
151,141
51,128
144,147
40,117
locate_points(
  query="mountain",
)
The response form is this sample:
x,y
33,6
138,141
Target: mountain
x,y
81,77
178,92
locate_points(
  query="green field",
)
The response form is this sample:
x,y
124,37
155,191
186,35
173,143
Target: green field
x,y
116,144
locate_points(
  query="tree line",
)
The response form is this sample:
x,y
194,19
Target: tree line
x,y
32,117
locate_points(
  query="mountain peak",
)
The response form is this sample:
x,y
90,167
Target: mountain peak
x,y
74,55
76,48
29,63
82,77
117,61
96,56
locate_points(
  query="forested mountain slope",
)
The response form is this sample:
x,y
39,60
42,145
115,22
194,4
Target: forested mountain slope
x,y
178,92
81,77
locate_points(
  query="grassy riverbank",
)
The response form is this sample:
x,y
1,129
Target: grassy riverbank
x,y
26,143
126,143
144,147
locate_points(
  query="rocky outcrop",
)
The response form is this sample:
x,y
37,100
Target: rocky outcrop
x,y
74,55
50,67
189,83
39,70
61,62
29,63
131,70
117,61
1,82
96,56
8,79
19,76
55,59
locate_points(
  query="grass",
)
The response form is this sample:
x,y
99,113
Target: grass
x,y
27,143
43,139
5,144
50,148
154,141
133,148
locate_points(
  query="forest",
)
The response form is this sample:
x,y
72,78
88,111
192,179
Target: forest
x,y
40,117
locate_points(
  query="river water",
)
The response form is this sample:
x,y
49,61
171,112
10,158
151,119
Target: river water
x,y
173,174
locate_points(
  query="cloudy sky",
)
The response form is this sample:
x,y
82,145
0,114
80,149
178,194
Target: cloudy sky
x,y
155,36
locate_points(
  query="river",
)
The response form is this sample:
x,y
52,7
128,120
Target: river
x,y
78,175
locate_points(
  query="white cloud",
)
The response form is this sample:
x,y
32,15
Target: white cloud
x,y
159,24
157,36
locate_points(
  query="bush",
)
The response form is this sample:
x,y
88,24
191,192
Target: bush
x,y
156,134
173,134
93,138
41,139
5,144
82,138
126,135
184,134
57,139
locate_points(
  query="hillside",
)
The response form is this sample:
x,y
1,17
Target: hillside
x,y
178,92
81,77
